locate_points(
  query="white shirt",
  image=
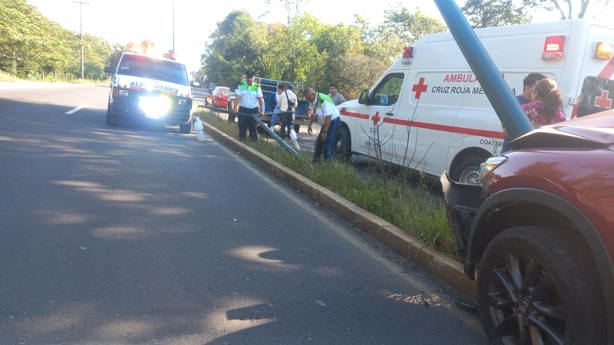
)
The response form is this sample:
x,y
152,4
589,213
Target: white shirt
x,y
283,100
249,97
327,109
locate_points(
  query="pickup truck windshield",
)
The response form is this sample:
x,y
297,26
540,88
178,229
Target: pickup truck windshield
x,y
146,67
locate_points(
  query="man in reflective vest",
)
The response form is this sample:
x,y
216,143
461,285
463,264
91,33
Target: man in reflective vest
x,y
326,115
249,101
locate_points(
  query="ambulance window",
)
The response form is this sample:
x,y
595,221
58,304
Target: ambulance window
x,y
388,90
597,95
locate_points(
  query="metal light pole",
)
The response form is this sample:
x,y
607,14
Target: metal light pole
x,y
81,3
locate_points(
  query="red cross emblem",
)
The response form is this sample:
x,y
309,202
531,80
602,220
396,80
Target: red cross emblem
x,y
419,88
604,101
376,118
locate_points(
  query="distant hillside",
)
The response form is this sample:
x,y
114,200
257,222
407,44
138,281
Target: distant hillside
x,y
32,46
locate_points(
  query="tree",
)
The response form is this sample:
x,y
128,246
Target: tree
x,y
487,13
32,46
232,49
569,9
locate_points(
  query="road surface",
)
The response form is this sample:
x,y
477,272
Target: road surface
x,y
140,235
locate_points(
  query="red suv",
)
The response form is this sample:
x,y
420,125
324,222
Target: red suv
x,y
540,234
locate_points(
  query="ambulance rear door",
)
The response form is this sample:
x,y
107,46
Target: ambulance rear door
x,y
596,84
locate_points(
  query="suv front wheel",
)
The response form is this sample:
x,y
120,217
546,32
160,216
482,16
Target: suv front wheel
x,y
533,288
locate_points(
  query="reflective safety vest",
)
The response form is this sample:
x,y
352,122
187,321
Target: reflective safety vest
x,y
322,97
248,88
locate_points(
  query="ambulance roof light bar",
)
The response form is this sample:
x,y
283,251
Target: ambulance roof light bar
x,y
408,55
554,48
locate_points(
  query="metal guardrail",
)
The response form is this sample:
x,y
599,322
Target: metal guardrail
x,y
261,124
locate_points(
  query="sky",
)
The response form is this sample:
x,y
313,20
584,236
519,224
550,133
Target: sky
x,y
122,21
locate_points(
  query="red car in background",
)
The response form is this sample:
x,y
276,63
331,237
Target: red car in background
x,y
220,97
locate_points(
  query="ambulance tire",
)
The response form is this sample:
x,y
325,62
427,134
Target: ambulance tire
x,y
112,119
468,170
343,145
185,128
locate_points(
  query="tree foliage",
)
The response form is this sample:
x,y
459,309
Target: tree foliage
x,y
486,13
32,46
311,51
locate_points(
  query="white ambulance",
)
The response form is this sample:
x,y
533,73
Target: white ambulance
x,y
429,113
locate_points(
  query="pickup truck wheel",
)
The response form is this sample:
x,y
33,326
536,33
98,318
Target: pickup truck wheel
x,y
533,288
185,128
468,170
343,146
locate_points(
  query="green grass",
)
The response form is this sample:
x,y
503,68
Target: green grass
x,y
412,209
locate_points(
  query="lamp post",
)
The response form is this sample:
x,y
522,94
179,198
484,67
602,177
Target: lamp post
x,y
81,3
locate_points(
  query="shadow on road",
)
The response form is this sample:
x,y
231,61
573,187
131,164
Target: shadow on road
x,y
131,235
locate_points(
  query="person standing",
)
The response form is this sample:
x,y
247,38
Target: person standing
x,y
546,106
527,89
276,110
325,113
335,95
249,101
525,97
287,101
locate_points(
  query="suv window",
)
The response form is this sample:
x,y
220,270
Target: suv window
x,y
146,67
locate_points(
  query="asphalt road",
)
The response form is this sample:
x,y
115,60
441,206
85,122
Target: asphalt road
x,y
140,235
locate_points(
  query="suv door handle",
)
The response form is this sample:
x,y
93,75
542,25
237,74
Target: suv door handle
x,y
389,114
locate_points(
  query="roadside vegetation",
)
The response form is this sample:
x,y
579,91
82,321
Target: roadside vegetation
x,y
35,48
411,208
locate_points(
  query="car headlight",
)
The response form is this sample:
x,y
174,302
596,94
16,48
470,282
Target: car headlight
x,y
490,165
155,107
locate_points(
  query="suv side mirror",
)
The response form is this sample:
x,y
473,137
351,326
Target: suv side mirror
x,y
364,97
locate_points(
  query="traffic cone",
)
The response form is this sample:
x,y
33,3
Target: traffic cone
x,y
200,130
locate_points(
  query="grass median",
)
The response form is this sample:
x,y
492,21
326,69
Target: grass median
x,y
411,208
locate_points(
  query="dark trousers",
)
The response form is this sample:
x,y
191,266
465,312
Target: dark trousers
x,y
247,122
326,147
286,124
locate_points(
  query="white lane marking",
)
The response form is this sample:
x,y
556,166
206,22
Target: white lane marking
x,y
74,110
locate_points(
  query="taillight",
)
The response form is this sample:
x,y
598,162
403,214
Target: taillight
x,y
554,48
604,51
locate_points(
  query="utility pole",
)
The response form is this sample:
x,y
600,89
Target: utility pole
x,y
81,3
173,26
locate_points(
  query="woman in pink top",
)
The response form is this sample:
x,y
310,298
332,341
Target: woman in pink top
x,y
546,107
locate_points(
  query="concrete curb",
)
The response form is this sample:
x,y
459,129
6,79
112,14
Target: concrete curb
x,y
441,266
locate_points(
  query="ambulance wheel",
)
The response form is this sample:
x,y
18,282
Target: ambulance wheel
x,y
112,119
185,128
343,145
468,170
